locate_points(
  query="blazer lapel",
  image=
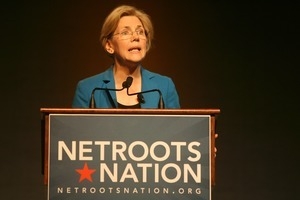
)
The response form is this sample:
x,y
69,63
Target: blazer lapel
x,y
148,83
108,82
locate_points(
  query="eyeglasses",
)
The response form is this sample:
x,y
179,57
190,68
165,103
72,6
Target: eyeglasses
x,y
128,34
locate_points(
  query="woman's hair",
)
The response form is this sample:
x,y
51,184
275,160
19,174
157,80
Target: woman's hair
x,y
111,22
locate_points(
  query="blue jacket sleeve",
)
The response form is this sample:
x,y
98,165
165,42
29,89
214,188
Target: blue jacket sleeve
x,y
81,96
171,96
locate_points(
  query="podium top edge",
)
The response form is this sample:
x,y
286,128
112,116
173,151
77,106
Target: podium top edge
x,y
204,111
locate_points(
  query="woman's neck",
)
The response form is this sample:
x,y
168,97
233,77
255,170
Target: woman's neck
x,y
121,72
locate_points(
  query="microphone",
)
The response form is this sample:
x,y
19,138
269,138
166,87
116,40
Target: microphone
x,y
126,84
141,99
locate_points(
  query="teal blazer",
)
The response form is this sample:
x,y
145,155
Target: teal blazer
x,y
105,79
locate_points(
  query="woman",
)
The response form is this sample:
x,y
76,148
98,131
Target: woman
x,y
126,36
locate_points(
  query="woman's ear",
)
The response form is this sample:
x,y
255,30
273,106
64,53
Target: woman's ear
x,y
109,48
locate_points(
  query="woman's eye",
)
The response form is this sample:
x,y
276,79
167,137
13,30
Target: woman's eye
x,y
125,33
140,32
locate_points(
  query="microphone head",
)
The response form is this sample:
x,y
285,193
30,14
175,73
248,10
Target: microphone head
x,y
128,82
140,98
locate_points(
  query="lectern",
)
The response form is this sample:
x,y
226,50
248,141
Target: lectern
x,y
165,117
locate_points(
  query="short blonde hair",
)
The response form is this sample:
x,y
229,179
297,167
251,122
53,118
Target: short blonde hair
x,y
111,22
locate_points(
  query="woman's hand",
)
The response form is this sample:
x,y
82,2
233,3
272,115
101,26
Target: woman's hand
x,y
216,136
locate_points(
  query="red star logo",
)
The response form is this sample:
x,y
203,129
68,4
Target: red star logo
x,y
85,173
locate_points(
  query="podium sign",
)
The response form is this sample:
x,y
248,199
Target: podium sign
x,y
128,156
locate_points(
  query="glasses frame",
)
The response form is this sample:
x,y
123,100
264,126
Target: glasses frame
x,y
128,34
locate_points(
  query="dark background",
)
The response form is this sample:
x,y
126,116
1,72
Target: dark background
x,y
239,57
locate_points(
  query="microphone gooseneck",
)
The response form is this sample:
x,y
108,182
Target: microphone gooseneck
x,y
126,84
141,99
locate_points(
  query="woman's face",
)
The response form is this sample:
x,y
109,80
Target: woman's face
x,y
129,41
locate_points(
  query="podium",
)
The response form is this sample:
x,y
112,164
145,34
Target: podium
x,y
46,114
